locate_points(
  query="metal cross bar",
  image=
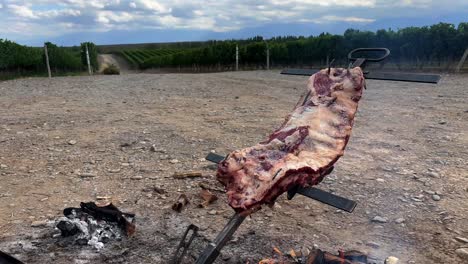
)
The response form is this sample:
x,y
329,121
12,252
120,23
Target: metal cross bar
x,y
324,197
361,62
386,76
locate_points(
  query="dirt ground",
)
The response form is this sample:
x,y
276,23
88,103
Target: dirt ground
x,y
406,162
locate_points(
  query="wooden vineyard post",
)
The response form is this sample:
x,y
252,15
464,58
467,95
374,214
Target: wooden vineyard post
x,y
237,57
462,61
47,60
267,55
268,58
88,61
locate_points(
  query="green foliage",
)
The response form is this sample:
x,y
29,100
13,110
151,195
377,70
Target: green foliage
x,y
436,43
220,53
62,59
139,57
111,70
93,55
18,60
14,57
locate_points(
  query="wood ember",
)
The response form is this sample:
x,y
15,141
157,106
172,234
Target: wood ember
x,y
183,175
207,197
182,201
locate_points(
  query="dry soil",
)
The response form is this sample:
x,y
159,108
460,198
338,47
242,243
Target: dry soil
x,y
406,162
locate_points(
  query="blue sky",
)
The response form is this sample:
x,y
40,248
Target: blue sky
x,y
69,22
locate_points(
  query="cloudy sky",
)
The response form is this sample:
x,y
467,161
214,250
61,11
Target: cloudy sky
x,y
69,22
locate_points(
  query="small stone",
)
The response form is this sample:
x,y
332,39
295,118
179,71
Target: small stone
x,y
125,164
3,166
462,239
391,260
462,253
138,177
380,180
164,157
372,244
399,220
39,223
153,148
72,142
433,174
114,170
379,219
212,212
436,197
174,161
402,199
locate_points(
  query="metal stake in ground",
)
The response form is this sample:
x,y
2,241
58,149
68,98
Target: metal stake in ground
x,y
47,60
212,251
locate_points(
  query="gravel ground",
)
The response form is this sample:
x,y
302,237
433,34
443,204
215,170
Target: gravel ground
x,y
406,163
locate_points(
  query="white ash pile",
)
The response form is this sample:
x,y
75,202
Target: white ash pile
x,y
95,225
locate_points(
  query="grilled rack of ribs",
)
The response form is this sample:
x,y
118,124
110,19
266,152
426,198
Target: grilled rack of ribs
x,y
312,138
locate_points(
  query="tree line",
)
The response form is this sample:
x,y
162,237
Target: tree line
x,y
437,44
20,60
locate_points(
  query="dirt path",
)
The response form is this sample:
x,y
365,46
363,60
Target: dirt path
x,y
105,60
406,162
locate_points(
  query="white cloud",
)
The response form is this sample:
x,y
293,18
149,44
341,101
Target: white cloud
x,y
153,5
25,17
22,11
57,13
346,19
352,3
110,16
